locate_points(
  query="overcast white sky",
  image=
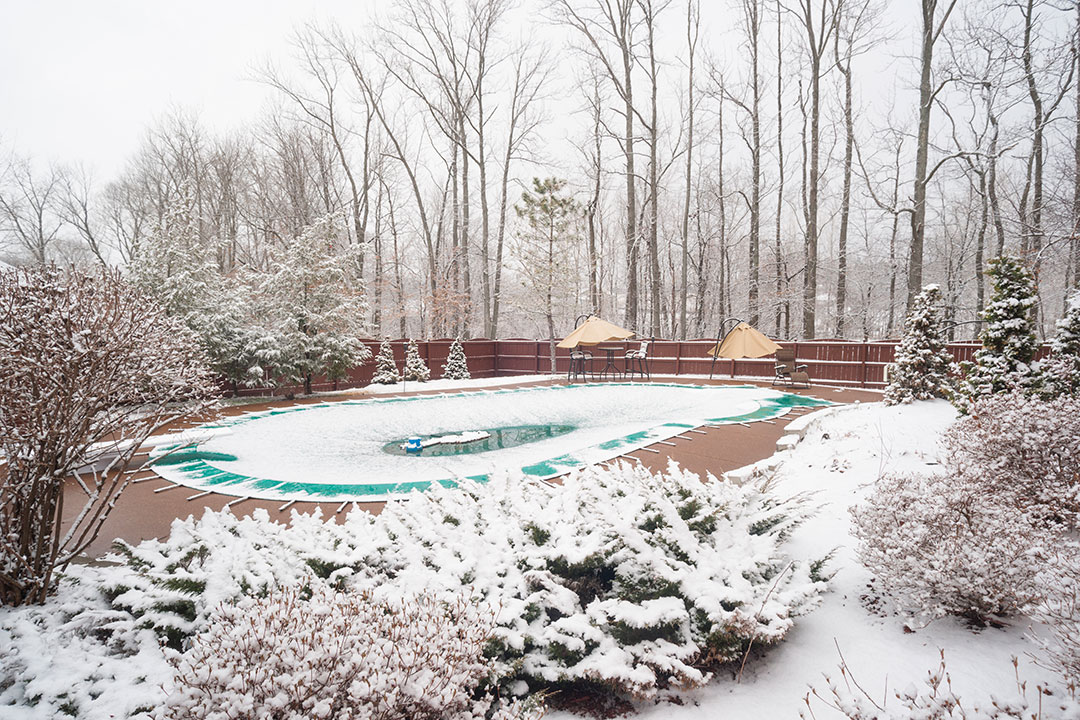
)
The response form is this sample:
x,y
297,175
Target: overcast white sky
x,y
81,81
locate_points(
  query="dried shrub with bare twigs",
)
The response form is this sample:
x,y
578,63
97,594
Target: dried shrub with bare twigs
x,y
1060,613
941,545
1026,449
89,368
936,699
974,539
321,653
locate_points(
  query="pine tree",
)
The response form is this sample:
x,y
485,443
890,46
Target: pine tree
x,y
415,369
457,366
385,368
924,369
1008,342
1059,374
314,306
545,249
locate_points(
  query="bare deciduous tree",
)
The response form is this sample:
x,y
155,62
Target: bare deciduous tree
x,y
89,369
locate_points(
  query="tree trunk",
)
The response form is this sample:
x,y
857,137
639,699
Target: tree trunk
x,y
930,33
691,39
810,273
778,250
845,199
753,10
485,224
1074,243
631,315
500,237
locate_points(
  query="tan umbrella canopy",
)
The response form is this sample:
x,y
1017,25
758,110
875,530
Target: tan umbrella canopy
x,y
593,332
744,342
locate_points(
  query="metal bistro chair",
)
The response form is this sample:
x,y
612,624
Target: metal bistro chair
x,y
638,361
580,363
787,371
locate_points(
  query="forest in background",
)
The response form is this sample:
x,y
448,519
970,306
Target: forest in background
x,y
694,164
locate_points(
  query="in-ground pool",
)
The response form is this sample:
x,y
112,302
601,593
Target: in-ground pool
x,y
350,450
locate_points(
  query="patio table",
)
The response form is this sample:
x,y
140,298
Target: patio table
x,y
610,350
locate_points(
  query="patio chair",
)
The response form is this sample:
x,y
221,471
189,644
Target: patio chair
x,y
638,361
580,363
788,371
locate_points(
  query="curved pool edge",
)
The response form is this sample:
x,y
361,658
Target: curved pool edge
x,y
200,475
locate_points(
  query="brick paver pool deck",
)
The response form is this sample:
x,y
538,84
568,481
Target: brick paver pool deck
x,y
149,505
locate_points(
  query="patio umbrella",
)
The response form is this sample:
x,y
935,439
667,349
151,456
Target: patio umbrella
x,y
593,332
743,342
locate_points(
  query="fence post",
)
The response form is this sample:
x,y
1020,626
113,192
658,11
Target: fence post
x,y
678,357
865,357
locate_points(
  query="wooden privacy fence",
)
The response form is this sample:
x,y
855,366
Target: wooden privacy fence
x,y
829,362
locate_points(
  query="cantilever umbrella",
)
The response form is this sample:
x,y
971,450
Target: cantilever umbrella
x,y
593,332
743,341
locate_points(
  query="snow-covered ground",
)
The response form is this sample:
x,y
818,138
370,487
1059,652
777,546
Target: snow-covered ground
x,y
842,453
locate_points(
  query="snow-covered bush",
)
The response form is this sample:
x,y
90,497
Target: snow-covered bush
x,y
321,653
924,368
415,369
1023,451
943,545
937,700
385,368
1059,374
1008,342
457,366
75,657
89,368
618,578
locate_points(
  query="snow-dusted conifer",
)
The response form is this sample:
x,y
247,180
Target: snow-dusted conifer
x,y
1008,342
1059,374
924,369
386,372
315,307
415,368
456,367
173,265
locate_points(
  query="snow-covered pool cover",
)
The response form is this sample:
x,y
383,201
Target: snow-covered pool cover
x,y
333,451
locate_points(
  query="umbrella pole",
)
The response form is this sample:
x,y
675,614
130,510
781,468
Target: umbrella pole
x,y
721,336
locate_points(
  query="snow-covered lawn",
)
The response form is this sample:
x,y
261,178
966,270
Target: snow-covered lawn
x,y
843,451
